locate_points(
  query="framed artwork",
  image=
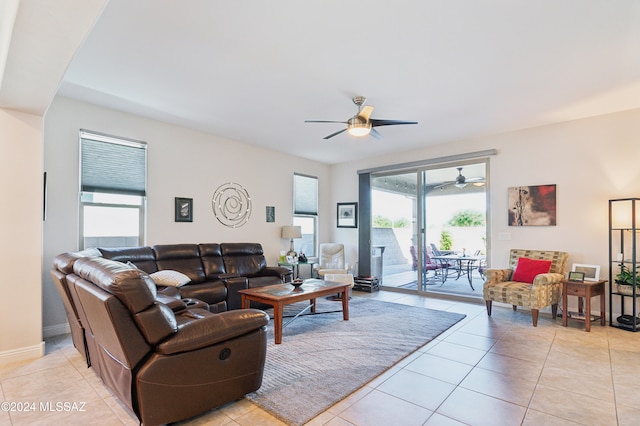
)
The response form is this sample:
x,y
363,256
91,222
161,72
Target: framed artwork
x,y
532,205
271,214
591,272
347,215
183,209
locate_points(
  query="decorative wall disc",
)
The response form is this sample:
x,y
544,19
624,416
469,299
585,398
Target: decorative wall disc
x,y
231,205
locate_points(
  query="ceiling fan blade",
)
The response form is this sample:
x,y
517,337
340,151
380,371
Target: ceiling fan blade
x,y
443,184
334,134
376,134
324,121
366,112
377,122
475,179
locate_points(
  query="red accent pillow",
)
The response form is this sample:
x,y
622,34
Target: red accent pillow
x,y
527,269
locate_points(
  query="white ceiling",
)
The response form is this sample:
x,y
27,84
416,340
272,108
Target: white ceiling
x,y
254,70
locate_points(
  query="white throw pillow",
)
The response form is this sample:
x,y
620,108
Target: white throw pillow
x,y
171,278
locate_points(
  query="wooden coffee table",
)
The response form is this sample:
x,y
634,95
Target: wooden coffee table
x,y
285,294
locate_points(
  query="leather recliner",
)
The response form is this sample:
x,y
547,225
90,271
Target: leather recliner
x,y
164,366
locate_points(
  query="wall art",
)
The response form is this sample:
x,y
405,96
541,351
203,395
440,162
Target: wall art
x,y
271,214
231,205
532,205
347,215
183,209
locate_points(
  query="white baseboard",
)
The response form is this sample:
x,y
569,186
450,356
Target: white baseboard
x,y
22,354
56,330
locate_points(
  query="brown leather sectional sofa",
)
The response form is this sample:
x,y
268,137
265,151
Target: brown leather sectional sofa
x,y
217,271
168,353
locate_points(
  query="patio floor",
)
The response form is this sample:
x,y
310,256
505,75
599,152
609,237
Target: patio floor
x,y
402,276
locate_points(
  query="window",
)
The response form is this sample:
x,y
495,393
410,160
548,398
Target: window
x,y
112,191
305,212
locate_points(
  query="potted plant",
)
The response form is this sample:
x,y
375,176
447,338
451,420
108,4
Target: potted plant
x,y
624,280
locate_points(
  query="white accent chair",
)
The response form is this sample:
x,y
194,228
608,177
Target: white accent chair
x,y
331,260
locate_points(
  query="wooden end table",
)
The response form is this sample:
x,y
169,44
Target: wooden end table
x,y
284,294
583,290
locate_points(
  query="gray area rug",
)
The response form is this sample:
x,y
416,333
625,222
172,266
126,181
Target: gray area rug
x,y
323,359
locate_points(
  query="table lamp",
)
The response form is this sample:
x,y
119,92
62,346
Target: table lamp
x,y
291,232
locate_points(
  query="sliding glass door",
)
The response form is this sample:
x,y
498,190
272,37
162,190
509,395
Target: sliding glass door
x,y
428,230
395,228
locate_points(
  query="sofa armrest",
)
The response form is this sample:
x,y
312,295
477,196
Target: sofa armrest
x,y
223,277
174,303
547,279
207,329
276,271
234,300
494,276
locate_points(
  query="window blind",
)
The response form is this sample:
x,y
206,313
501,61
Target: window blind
x,y
305,194
112,165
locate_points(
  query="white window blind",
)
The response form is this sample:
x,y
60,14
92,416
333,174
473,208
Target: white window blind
x,y
305,194
112,165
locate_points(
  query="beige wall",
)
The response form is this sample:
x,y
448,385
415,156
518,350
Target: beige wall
x,y
181,163
590,160
21,236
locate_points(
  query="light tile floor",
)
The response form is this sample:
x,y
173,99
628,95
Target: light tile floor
x,y
483,371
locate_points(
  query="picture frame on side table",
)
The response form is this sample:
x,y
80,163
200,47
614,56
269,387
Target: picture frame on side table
x,y
591,272
183,209
347,215
576,276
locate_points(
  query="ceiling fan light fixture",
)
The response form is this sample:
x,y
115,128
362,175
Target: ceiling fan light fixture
x,y
358,128
461,181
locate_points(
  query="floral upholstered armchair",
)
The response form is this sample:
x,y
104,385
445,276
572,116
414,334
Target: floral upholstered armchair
x,y
522,284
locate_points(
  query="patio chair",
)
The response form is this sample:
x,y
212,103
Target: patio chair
x,y
429,264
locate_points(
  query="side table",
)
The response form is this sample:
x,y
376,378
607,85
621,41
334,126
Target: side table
x,y
583,290
295,267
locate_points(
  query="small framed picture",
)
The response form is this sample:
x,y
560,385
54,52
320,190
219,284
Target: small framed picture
x,y
347,215
271,214
591,272
183,209
290,259
576,276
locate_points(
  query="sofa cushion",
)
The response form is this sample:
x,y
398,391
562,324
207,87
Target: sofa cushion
x,y
64,262
212,261
527,269
210,292
142,257
170,278
184,258
156,323
243,259
134,288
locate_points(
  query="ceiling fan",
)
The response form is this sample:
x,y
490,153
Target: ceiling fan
x,y
360,124
461,181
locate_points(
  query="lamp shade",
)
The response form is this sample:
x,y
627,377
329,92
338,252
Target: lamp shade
x,y
290,232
